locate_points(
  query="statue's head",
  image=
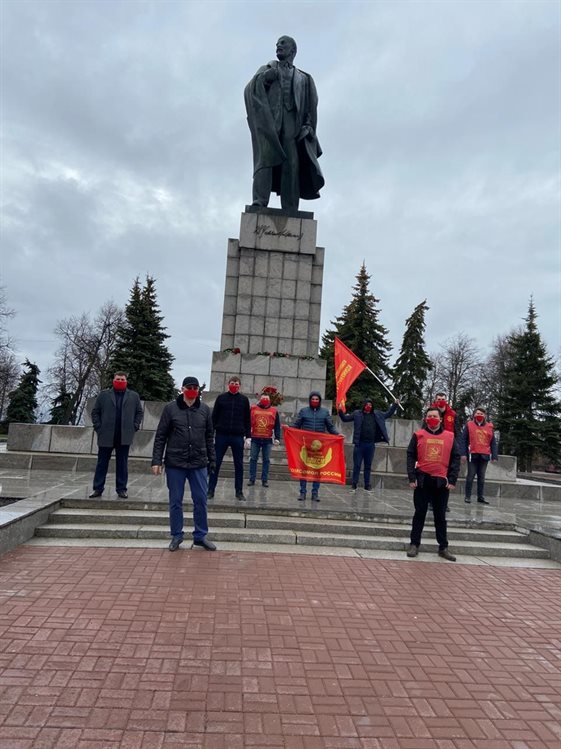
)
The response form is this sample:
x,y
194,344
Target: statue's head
x,y
286,49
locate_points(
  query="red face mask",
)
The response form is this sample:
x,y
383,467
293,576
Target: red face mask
x,y
433,422
120,385
314,402
265,402
367,408
479,419
191,392
234,387
441,403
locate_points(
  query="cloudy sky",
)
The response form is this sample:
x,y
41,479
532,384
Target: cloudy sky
x,y
126,151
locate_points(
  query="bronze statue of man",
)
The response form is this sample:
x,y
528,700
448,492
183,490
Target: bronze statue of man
x,y
281,104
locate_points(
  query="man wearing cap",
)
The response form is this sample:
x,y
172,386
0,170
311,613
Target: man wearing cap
x,y
185,433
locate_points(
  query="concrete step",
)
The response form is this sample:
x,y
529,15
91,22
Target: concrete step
x,y
478,544
68,515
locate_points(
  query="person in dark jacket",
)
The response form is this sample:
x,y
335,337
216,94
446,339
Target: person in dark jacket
x,y
433,465
479,446
116,416
369,427
185,433
231,422
313,418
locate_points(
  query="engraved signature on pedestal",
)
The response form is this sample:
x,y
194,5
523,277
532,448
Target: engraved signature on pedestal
x,y
264,230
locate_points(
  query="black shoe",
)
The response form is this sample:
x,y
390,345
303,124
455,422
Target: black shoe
x,y
302,497
240,496
174,543
447,508
315,497
251,483
95,494
210,495
467,500
354,488
445,554
483,501
412,551
368,488
265,484
123,495
208,545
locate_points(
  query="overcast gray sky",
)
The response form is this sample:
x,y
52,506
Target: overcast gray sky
x,y
126,151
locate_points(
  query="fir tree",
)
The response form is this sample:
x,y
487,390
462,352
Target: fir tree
x,y
140,349
59,407
413,364
529,413
23,400
359,329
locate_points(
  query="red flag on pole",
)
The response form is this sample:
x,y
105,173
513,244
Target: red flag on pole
x,y
315,456
347,368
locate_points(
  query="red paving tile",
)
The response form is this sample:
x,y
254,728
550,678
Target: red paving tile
x,y
142,649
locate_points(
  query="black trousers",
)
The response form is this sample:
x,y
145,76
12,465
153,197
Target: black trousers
x,y
121,467
438,495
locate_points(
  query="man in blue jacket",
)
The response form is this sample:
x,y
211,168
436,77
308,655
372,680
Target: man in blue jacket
x,y
369,427
313,418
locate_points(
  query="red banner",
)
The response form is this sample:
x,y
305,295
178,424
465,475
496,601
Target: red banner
x,y
315,456
347,368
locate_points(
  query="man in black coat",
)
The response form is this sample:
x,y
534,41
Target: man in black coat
x,y
185,433
232,424
116,416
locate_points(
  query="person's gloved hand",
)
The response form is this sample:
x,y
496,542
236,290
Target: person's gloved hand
x,y
212,467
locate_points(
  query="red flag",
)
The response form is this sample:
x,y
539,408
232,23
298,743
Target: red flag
x,y
347,368
315,456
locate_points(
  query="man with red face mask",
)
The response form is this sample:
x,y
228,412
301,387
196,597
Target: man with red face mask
x,y
116,416
479,446
368,429
313,418
264,423
447,413
433,465
230,418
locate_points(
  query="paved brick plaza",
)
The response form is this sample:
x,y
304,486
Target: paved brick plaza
x,y
140,648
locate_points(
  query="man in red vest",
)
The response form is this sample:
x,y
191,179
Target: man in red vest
x,y
264,422
446,412
479,446
433,465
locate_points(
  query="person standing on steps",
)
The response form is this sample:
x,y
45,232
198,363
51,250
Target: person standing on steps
x,y
369,427
231,422
433,465
479,446
116,416
313,418
265,423
185,435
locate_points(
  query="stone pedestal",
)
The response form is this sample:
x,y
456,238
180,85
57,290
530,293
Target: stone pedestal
x,y
272,307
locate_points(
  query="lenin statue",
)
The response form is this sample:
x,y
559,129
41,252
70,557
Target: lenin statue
x,y
281,104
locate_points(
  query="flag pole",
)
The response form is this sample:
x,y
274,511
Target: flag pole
x,y
385,388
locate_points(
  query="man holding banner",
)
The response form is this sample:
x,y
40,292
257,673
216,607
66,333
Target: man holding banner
x,y
311,456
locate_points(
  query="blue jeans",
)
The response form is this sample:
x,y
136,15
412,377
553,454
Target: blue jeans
x,y
264,446
221,443
198,484
121,467
364,451
477,466
304,486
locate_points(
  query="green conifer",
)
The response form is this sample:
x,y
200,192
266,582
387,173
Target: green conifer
x,y
359,329
529,412
140,349
23,400
413,364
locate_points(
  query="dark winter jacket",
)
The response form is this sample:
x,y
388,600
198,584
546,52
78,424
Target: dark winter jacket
x,y
230,414
103,417
315,419
379,419
186,434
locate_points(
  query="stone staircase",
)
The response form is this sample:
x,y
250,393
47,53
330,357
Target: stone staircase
x,y
138,523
